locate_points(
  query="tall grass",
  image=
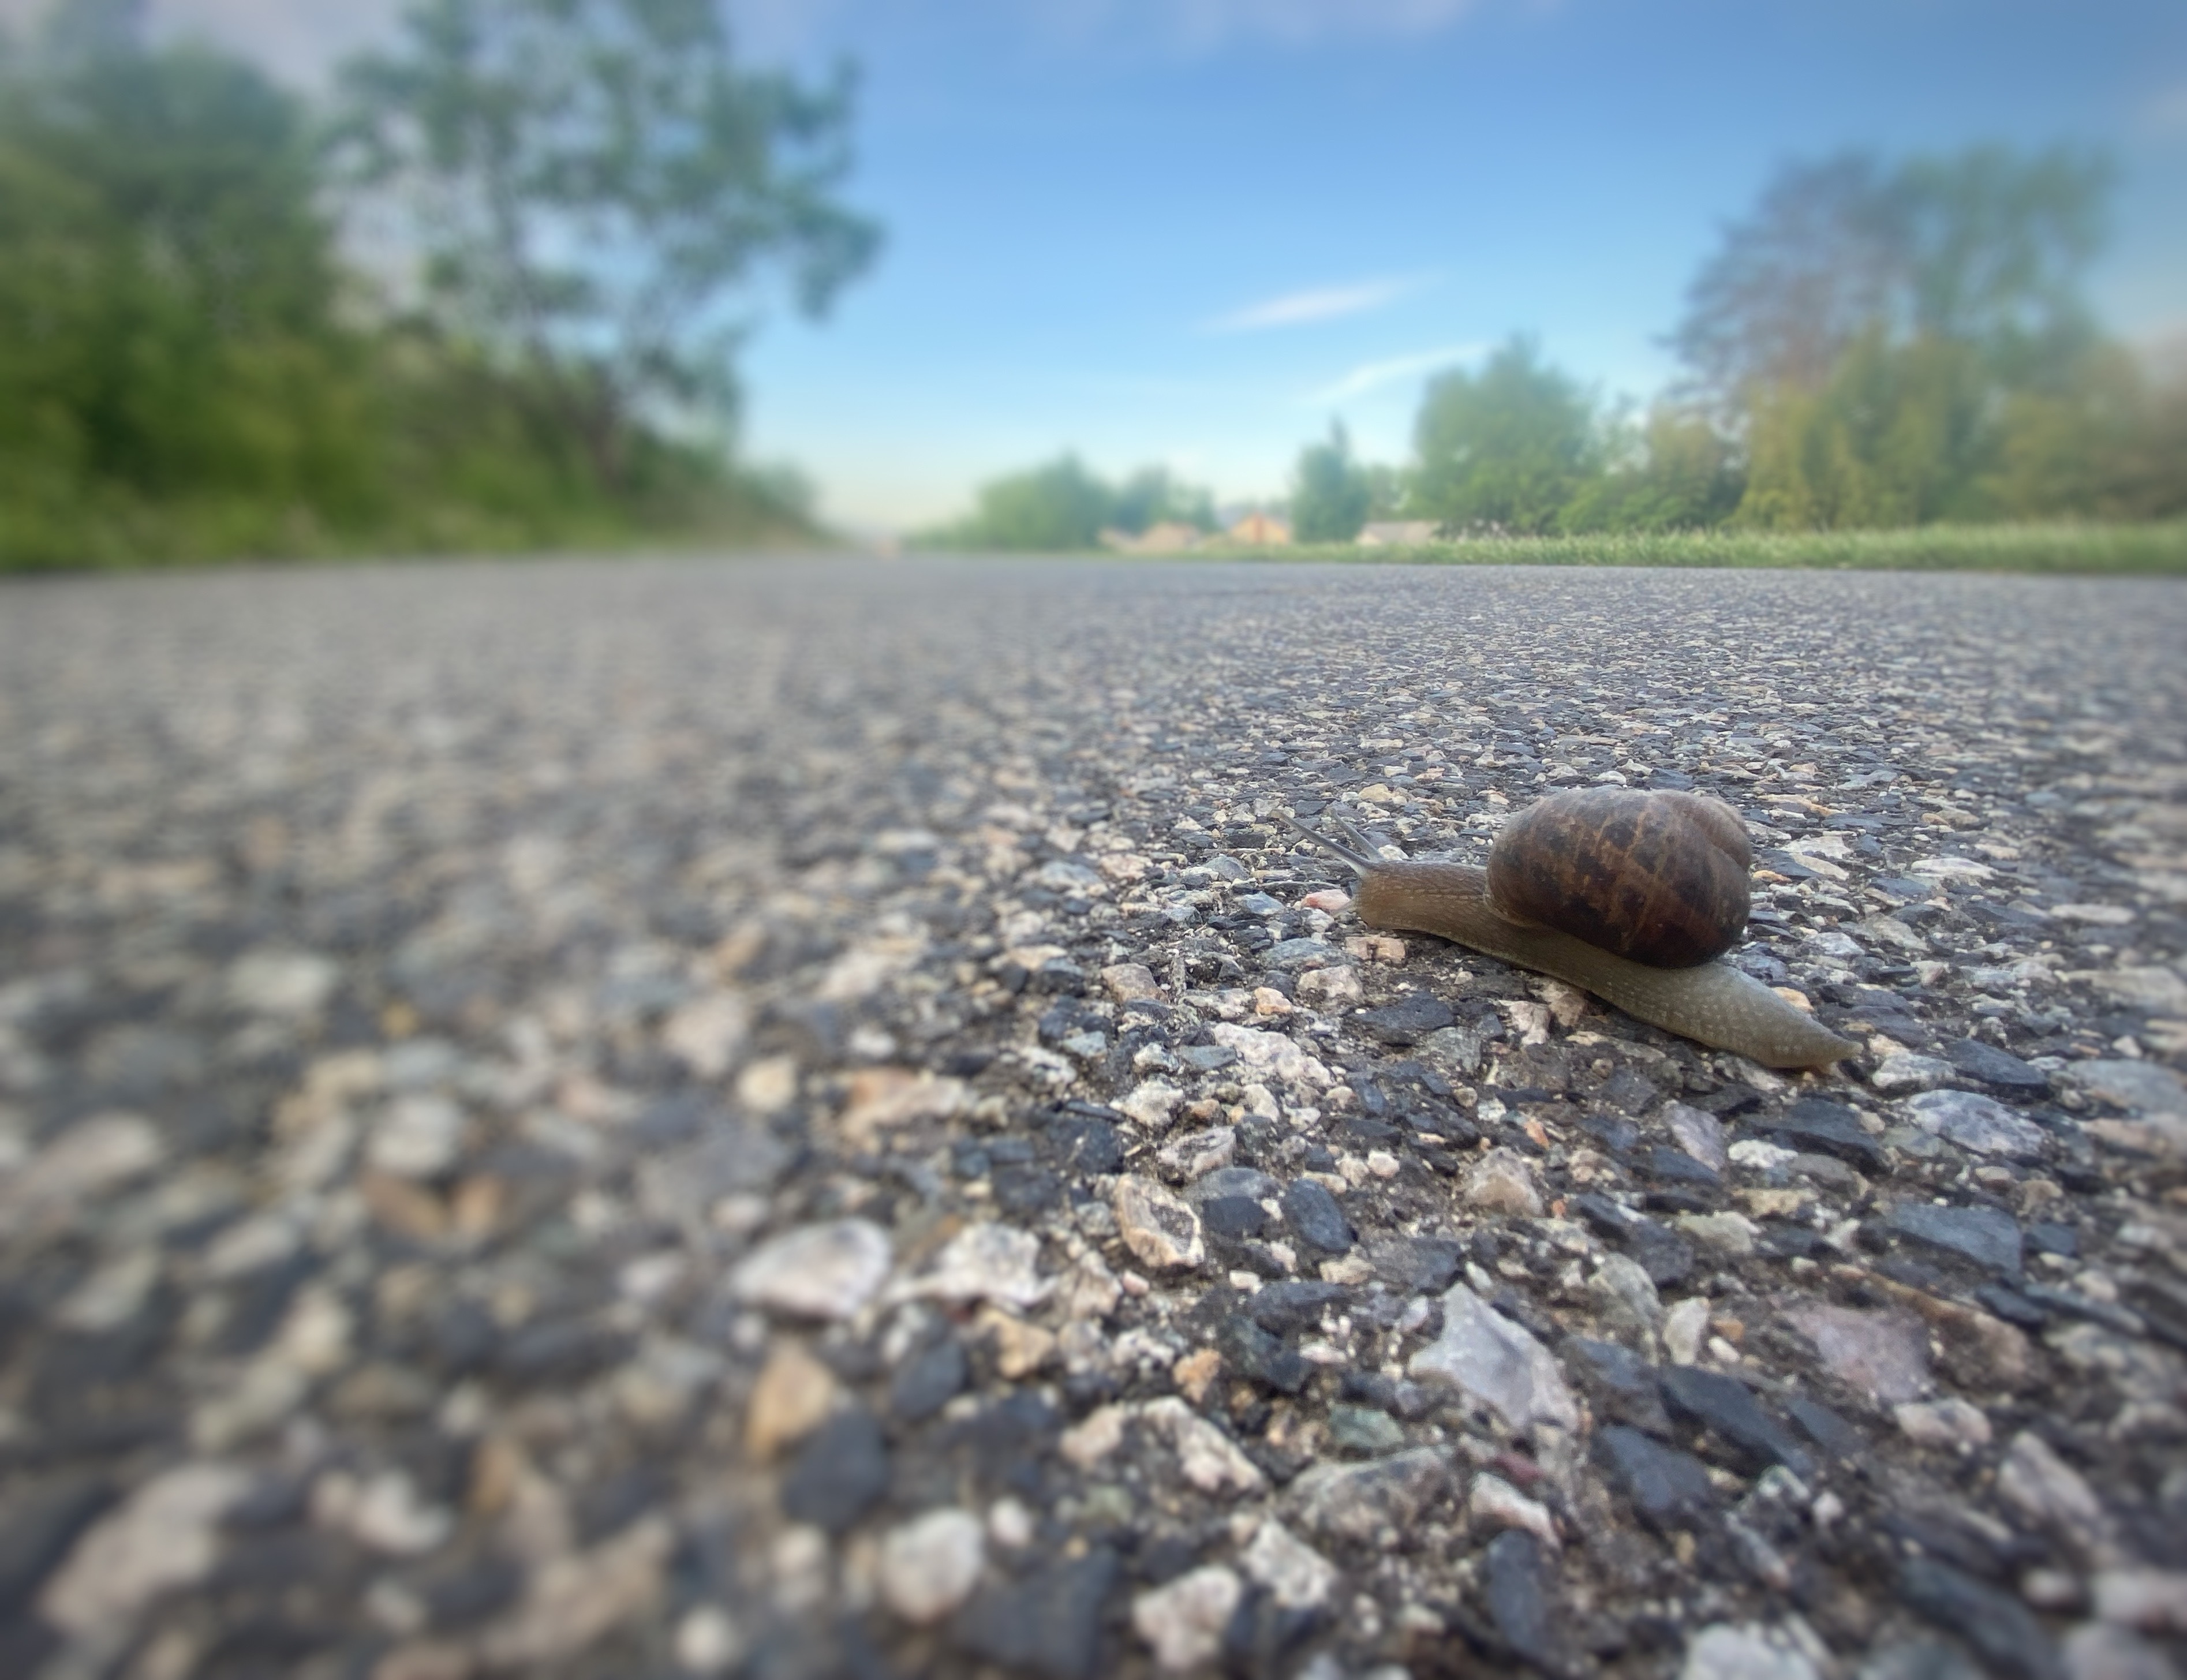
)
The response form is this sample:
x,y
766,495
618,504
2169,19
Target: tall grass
x,y
2091,550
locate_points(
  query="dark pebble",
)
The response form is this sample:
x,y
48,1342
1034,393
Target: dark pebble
x,y
1313,1214
1294,1306
1519,1601
1725,1407
1986,1235
1025,1192
928,1380
1206,1058
2012,1306
560,1350
1676,1166
1417,1265
1251,1352
1994,1066
1232,1216
2049,1238
1621,1383
839,1474
37,1525
1827,1129
1049,1621
1996,1624
1669,1489
1825,1427
1407,1020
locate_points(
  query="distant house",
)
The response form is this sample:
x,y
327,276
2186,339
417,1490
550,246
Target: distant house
x,y
1263,529
1396,533
1168,536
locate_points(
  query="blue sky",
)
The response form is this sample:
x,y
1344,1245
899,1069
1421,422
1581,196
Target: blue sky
x,y
1195,232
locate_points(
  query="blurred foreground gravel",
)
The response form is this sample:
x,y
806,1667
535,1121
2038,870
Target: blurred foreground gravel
x,y
804,1120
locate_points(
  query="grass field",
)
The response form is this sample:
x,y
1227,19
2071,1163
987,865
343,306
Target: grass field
x,y
2087,550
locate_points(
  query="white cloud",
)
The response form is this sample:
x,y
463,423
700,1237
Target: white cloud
x,y
1325,303
1371,375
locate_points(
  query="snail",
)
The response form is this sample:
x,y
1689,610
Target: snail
x,y
1629,894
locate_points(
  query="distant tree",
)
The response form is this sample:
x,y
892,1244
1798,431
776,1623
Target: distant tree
x,y
169,290
1331,493
1051,508
1152,496
1986,247
1508,446
598,189
1675,472
2108,441
1895,438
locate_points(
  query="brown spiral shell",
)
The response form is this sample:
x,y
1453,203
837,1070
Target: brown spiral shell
x,y
1658,878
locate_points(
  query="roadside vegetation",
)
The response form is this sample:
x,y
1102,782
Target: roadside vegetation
x,y
1876,347
576,205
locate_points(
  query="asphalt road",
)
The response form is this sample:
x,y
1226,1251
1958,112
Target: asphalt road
x,y
582,1118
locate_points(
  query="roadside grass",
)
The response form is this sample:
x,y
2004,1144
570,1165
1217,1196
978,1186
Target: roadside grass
x,y
2083,550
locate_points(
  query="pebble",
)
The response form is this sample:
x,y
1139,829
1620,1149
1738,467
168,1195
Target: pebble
x,y
1295,1575
1364,1429
2051,1494
1903,1074
928,1380
1950,1422
2154,1600
840,1474
985,1262
1407,1022
827,1271
1994,1066
1745,1651
1883,1356
1500,1364
930,1564
1192,1153
573,1601
2098,1650
1493,1503
286,985
1501,1182
1987,1236
1315,1218
1161,1231
93,1158
165,1535
1726,1407
1698,1132
1519,1597
1047,1620
1976,1122
1685,1327
1669,1489
417,1137
1375,1503
1997,1626
792,1395
1827,1129
708,1641
2139,1086
1184,1621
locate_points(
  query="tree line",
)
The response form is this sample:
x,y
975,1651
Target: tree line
x,y
570,207
1874,345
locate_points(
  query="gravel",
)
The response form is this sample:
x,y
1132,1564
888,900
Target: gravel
x,y
804,1118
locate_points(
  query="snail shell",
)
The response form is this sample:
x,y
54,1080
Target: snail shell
x,y
1659,878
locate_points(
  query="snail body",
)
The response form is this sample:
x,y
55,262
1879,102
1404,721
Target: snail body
x,y
1598,888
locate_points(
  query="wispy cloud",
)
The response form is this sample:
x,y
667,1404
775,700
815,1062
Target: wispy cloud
x,y
1372,375
1322,303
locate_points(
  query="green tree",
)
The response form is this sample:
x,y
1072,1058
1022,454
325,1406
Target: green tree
x,y
1986,247
1678,472
1507,447
1331,493
1895,438
1056,508
600,190
1153,495
171,291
